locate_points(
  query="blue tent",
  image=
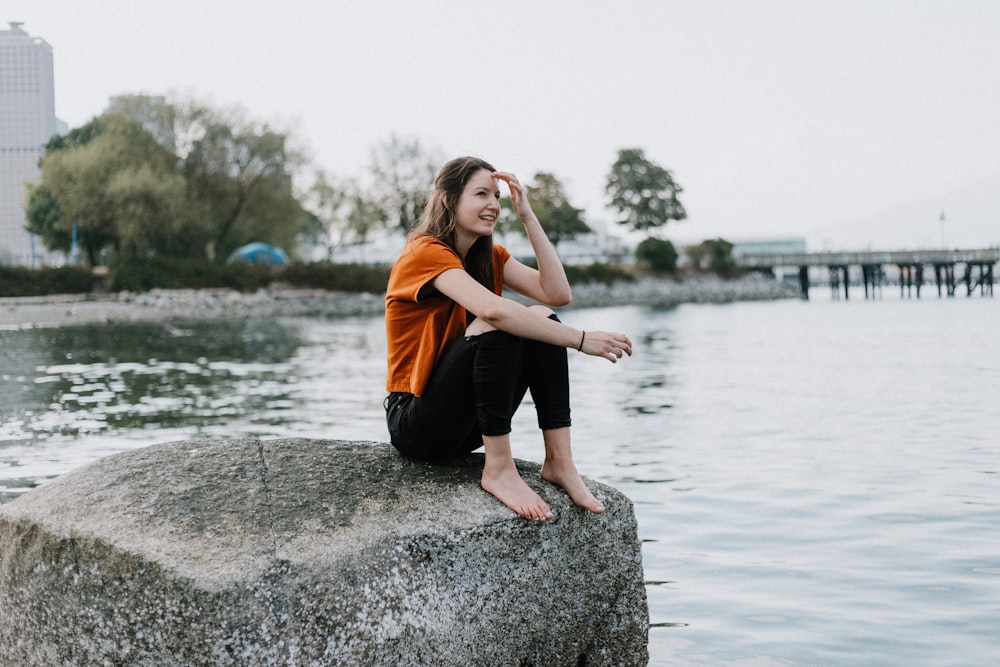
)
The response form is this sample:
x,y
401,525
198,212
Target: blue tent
x,y
260,254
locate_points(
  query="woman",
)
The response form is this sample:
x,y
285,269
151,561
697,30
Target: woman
x,y
461,356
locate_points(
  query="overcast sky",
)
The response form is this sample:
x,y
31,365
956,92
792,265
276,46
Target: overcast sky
x,y
778,118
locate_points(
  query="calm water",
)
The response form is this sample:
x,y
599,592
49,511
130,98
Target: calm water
x,y
816,483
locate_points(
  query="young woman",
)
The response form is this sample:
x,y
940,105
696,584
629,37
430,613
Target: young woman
x,y
461,356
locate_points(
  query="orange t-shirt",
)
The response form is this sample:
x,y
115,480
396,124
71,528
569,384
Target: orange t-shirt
x,y
419,328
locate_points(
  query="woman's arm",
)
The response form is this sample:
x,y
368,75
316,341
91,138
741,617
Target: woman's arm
x,y
548,284
514,318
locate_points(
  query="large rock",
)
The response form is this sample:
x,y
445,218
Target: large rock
x,y
308,552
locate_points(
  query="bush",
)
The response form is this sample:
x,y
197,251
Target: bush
x,y
721,260
172,273
658,254
141,275
598,272
21,281
338,277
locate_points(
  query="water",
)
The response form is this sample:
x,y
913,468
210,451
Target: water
x,y
816,483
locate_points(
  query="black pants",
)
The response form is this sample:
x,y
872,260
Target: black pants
x,y
474,391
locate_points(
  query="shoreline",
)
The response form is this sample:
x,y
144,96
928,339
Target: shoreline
x,y
208,304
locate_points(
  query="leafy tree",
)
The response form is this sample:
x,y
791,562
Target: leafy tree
x,y
720,253
346,214
239,174
77,175
157,179
43,218
697,255
43,213
154,113
508,221
402,172
154,218
643,192
560,219
658,254
77,136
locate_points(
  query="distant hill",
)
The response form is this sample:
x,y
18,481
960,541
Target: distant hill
x,y
971,220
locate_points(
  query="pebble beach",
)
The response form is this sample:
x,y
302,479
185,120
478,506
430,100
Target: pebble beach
x,y
208,304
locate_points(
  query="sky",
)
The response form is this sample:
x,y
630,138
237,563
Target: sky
x,y
850,123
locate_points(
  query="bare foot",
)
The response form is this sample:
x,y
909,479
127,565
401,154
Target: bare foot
x,y
569,479
511,490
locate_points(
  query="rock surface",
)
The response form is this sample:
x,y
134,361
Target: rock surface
x,y
311,552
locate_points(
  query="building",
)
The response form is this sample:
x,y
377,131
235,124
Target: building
x,y
27,122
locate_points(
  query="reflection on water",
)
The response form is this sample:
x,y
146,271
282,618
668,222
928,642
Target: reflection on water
x,y
815,483
74,393
87,380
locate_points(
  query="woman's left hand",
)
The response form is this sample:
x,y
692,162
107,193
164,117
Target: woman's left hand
x,y
518,194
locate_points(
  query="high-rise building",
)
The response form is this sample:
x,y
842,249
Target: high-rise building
x,y
27,122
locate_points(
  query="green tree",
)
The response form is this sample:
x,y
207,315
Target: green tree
x,y
698,256
345,213
78,172
151,178
153,216
403,172
561,220
720,257
658,254
239,175
43,218
154,113
643,192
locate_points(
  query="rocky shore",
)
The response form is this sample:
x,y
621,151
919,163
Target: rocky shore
x,y
208,304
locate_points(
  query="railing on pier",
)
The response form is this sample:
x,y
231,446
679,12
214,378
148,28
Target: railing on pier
x,y
911,264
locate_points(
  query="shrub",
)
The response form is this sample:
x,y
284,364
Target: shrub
x,y
338,277
658,254
598,272
721,260
22,281
141,275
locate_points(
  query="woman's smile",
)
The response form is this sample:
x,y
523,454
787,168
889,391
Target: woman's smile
x,y
478,208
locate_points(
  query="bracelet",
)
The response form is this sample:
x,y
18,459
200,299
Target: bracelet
x,y
583,335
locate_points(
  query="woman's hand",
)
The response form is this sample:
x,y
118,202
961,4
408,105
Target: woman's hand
x,y
611,346
518,194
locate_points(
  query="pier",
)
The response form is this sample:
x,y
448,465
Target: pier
x,y
976,269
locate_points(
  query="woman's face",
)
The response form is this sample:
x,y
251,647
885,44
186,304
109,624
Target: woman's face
x,y
478,206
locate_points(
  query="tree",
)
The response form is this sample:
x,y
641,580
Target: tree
x,y
78,172
658,254
560,219
643,192
157,179
154,113
153,216
697,255
239,173
43,212
346,214
720,253
403,173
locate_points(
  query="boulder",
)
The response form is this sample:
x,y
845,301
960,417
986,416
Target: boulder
x,y
311,552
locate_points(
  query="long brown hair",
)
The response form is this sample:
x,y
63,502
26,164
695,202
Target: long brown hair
x,y
438,220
